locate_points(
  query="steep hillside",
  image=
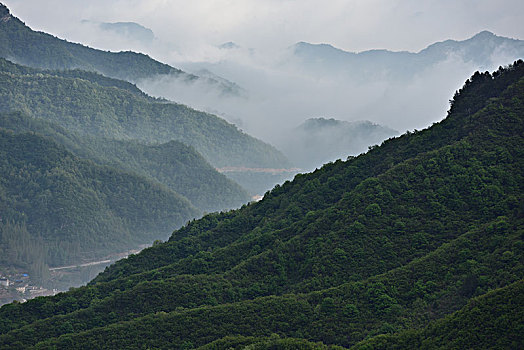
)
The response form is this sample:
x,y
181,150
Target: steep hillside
x,y
93,105
37,49
491,321
172,164
388,241
75,208
22,45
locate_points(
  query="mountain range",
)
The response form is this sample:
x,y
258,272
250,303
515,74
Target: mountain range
x,y
102,141
401,90
65,60
92,104
416,243
482,50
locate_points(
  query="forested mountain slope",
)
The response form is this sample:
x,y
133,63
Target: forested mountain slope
x,y
74,208
491,321
388,241
37,49
90,104
173,164
22,45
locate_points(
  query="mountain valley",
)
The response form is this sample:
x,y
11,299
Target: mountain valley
x,y
265,196
398,238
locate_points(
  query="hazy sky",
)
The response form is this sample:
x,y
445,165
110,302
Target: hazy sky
x,y
354,25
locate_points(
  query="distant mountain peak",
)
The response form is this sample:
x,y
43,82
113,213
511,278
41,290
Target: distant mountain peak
x,y
484,34
229,46
303,44
129,29
319,140
320,122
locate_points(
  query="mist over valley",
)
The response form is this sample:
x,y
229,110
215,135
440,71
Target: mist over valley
x,y
261,174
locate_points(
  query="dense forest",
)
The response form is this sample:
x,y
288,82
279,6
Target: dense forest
x,y
416,243
172,164
37,49
478,325
91,104
57,208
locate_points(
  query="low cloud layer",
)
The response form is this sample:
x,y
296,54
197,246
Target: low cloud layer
x,y
282,94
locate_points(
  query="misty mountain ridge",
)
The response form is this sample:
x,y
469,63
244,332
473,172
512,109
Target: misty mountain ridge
x,y
22,45
173,164
479,50
475,48
317,124
228,87
120,111
321,140
128,30
96,107
306,79
19,43
40,50
229,46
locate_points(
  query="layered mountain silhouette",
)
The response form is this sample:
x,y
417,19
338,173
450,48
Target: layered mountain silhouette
x,y
91,104
416,243
115,142
480,50
22,45
173,164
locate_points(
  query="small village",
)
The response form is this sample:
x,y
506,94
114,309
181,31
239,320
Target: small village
x,y
19,287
